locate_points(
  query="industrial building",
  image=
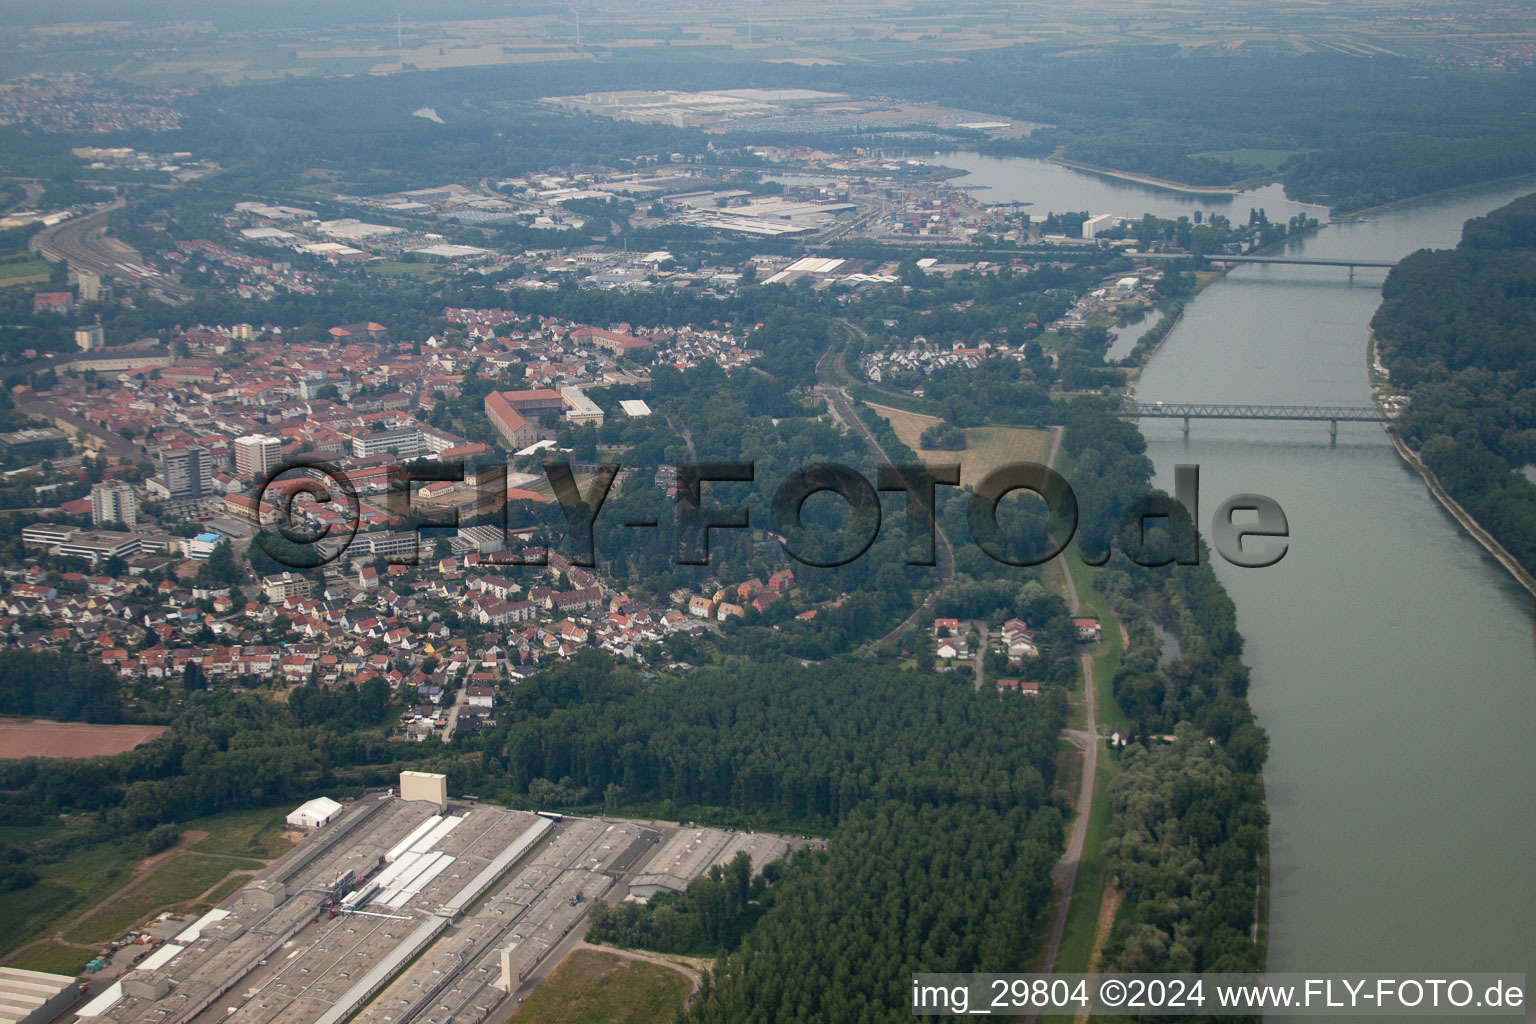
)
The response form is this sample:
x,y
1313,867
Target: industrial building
x,y
429,786
1103,222
32,997
405,911
692,852
320,811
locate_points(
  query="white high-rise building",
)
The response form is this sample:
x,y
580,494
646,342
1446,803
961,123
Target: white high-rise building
x,y
90,285
256,455
114,502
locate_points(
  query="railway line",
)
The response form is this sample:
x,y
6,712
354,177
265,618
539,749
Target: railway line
x,y
83,243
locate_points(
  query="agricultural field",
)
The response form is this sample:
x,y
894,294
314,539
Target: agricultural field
x,y
986,448
849,32
41,738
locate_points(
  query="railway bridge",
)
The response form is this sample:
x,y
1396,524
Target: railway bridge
x,y
1333,415
1351,262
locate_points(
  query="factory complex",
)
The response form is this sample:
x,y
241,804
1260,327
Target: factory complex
x,y
409,908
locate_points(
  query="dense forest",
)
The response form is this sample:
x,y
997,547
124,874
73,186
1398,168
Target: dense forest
x,y
1454,330
57,686
795,745
1186,834
942,833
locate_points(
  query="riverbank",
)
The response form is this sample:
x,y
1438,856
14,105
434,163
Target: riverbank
x,y
1144,179
1441,193
1379,390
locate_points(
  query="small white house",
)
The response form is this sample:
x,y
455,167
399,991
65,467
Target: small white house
x,y
322,810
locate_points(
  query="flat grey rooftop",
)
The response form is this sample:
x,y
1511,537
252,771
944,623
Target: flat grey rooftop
x,y
410,948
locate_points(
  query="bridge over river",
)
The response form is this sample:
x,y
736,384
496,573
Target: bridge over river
x,y
1300,261
1333,415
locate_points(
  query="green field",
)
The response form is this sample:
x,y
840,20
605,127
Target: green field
x,y
52,957
1106,660
397,268
255,833
176,880
80,879
91,871
29,911
600,988
23,271
225,890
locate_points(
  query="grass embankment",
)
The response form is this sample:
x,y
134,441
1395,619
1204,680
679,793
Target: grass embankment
x,y
1108,652
1078,940
872,395
1081,936
591,987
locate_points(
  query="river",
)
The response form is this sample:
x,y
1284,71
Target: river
x,y
1053,188
1394,663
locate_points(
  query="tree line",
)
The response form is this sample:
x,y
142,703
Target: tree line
x,y
1454,330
